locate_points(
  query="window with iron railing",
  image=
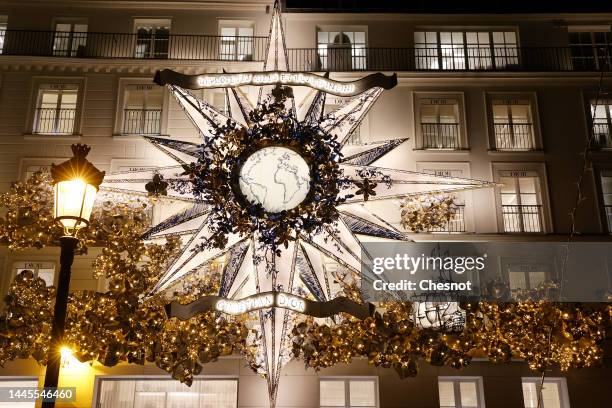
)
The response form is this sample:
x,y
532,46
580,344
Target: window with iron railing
x,y
590,49
460,50
521,204
440,123
142,113
601,115
456,223
341,50
606,191
55,111
152,38
236,41
545,393
69,39
513,124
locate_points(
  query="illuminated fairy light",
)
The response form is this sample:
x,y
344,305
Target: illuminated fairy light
x,y
281,299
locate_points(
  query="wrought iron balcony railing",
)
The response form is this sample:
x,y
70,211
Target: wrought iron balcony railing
x,y
440,136
514,136
602,133
53,121
456,223
352,58
522,218
142,121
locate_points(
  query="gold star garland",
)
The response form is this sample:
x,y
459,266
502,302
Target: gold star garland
x,y
427,212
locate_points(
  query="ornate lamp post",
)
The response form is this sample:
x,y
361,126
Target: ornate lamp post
x,y
76,182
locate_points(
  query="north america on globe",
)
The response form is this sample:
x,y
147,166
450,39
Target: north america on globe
x,y
276,177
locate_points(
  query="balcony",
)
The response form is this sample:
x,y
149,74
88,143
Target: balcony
x,y
227,48
455,224
602,134
53,121
142,121
443,136
522,218
513,136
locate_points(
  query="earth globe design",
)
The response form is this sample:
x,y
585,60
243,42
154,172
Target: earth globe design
x,y
276,177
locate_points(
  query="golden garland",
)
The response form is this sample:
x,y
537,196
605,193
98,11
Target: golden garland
x,y
427,212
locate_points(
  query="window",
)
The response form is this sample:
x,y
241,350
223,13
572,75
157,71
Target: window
x,y
350,392
236,41
3,26
439,122
521,201
460,392
341,49
525,274
512,118
152,38
18,382
56,109
591,47
552,395
457,222
33,168
459,50
360,134
606,191
142,109
69,39
41,269
601,115
166,393
220,102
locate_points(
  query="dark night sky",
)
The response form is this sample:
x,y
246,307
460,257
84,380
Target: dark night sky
x,y
450,6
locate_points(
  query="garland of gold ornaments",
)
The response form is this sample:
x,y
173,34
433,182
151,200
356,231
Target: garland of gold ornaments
x,y
115,326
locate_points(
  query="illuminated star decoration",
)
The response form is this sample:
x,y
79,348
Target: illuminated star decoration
x,y
296,266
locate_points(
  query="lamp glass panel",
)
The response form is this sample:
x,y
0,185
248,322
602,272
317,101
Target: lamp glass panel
x,y
74,198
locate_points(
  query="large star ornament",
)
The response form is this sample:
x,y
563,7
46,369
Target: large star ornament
x,y
297,266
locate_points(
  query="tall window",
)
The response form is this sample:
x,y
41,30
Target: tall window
x,y
56,108
350,392
591,48
460,392
512,123
440,122
142,110
41,269
165,393
69,39
521,201
342,50
460,50
236,41
152,38
524,275
357,137
601,113
606,190
457,221
552,395
3,25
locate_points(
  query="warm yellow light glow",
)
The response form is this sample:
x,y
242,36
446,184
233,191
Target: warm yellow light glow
x,y
74,200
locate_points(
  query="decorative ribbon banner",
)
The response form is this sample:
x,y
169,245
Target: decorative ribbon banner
x,y
270,299
231,80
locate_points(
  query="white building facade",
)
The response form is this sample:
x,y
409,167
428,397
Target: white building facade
x,y
509,98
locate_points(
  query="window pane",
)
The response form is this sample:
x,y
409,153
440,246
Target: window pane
x,y
362,393
447,394
517,280
469,396
536,278
530,395
331,393
521,113
550,395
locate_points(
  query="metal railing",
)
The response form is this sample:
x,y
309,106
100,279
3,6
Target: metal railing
x,y
522,218
133,46
456,223
142,121
441,135
514,136
602,133
352,58
54,121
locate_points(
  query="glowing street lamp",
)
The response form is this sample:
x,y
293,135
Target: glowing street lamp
x,y
75,183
